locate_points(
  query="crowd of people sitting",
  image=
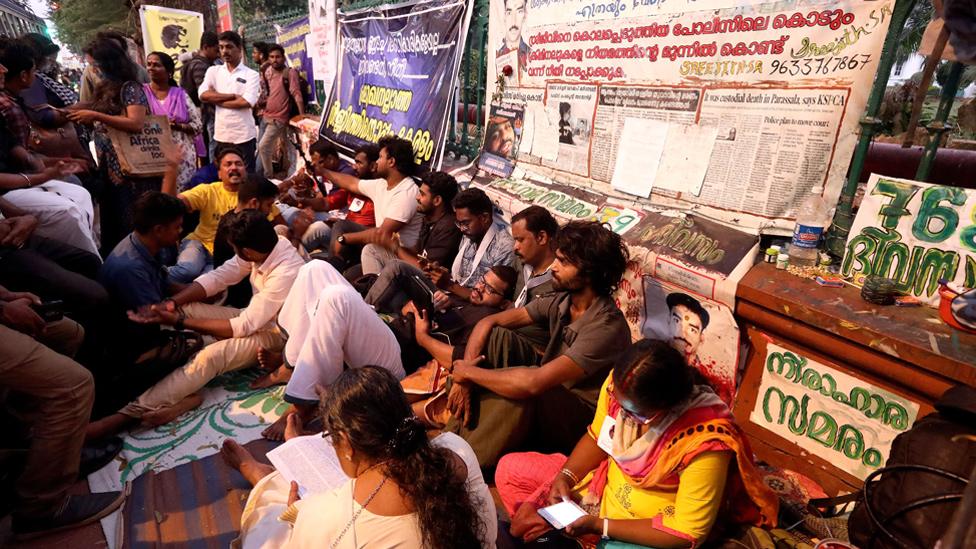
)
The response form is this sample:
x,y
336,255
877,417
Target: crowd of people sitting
x,y
430,340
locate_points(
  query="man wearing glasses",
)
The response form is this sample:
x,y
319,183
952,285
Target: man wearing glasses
x,y
443,337
483,246
501,394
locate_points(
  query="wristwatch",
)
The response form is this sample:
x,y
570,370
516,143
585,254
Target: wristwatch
x,y
341,239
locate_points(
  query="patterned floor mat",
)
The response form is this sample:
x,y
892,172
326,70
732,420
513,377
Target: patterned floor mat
x,y
230,410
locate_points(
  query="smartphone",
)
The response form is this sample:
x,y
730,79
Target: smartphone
x,y
50,311
562,514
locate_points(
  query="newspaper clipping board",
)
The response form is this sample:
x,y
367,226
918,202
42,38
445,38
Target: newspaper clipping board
x,y
397,73
916,234
781,86
141,154
171,31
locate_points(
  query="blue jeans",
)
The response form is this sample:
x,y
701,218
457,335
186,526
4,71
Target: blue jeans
x,y
317,236
193,261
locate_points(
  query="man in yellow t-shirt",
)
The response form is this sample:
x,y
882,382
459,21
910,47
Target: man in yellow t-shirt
x,y
212,200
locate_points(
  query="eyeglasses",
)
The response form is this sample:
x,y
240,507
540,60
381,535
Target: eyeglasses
x,y
463,224
639,418
488,288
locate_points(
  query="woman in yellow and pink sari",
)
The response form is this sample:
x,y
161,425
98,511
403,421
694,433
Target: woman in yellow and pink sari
x,y
660,462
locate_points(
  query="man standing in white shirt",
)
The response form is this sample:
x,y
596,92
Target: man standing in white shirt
x,y
394,195
234,89
273,265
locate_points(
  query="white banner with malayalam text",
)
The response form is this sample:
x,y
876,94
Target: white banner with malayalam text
x,y
781,85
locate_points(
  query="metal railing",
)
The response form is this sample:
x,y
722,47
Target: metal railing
x,y
870,124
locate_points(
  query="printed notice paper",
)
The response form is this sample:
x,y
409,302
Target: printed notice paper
x,y
685,159
545,136
310,461
638,155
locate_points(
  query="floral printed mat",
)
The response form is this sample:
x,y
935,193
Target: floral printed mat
x,y
230,410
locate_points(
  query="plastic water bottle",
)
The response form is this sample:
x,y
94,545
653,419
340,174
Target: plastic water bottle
x,y
811,220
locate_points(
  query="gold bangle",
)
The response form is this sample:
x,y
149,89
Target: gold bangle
x,y
27,179
572,476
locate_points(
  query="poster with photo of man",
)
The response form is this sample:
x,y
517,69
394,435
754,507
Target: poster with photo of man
x,y
703,330
502,137
514,50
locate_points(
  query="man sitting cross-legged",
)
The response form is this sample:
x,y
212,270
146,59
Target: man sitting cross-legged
x,y
439,238
508,390
329,328
272,263
394,196
483,246
212,200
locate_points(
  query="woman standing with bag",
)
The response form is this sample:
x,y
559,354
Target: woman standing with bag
x,y
167,99
120,103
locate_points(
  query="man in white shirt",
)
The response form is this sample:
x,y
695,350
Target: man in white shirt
x,y
273,265
234,89
329,328
394,195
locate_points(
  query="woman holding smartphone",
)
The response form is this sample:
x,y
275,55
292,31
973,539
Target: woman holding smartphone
x,y
661,458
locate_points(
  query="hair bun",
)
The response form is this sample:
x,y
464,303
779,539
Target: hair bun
x,y
407,436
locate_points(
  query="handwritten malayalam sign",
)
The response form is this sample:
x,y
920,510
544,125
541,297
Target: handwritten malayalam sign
x,y
915,233
837,417
398,67
777,87
564,206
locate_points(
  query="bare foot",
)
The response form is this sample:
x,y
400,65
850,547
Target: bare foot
x,y
169,413
276,431
269,360
276,377
293,427
108,426
239,458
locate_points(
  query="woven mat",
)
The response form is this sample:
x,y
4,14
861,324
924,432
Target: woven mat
x,y
229,410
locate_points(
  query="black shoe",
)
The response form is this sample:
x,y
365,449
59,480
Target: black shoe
x,y
98,454
77,511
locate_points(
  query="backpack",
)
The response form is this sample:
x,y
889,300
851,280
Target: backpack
x,y
911,501
286,81
303,86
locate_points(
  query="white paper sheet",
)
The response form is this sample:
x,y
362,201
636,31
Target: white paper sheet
x,y
545,135
687,150
638,155
310,461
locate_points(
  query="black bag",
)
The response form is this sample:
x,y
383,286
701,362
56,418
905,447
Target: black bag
x,y
911,501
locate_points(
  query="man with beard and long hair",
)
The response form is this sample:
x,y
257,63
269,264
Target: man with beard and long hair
x,y
505,391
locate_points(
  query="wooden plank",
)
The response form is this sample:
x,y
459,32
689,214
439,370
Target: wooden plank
x,y
911,335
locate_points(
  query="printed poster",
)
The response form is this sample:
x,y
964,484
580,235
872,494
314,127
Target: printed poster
x,y
830,414
502,139
915,233
397,73
170,31
322,39
292,39
781,83
225,21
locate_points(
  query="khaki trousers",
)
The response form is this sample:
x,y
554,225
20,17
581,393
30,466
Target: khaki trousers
x,y
213,360
54,395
